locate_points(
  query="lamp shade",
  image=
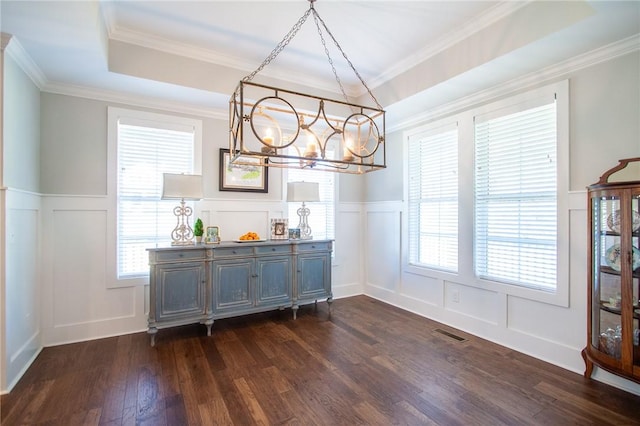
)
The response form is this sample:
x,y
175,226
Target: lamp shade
x,y
179,186
303,191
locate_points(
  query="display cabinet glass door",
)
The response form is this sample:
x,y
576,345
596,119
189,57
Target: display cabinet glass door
x,y
606,286
616,306
635,276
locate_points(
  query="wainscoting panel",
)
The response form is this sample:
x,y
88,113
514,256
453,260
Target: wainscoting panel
x,y
21,296
382,242
234,223
473,302
78,263
347,261
79,271
526,316
426,289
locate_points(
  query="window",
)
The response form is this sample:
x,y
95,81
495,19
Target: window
x,y
516,197
322,217
433,198
148,145
488,197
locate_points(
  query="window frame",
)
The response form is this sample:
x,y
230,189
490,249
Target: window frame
x,y
114,114
466,220
437,128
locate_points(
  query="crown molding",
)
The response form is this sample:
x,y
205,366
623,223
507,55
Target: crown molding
x,y
135,100
150,41
475,25
16,52
553,72
243,67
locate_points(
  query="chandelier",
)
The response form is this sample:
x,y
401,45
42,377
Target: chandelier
x,y
288,129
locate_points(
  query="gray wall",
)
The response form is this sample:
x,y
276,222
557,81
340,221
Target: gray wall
x,y
604,116
74,146
74,152
21,129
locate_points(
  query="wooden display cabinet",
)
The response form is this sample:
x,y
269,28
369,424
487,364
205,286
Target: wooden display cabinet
x,y
614,272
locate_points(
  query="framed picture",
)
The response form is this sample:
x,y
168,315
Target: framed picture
x,y
252,177
279,229
212,235
294,233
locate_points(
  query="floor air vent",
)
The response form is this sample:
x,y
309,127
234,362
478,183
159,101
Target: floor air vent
x,y
451,335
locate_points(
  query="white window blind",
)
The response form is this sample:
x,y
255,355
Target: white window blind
x,y
145,152
322,217
516,197
433,198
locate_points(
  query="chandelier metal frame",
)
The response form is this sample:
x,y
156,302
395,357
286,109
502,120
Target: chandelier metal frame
x,y
290,129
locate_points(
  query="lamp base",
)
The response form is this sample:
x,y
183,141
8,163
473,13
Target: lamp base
x,y
182,243
182,234
305,229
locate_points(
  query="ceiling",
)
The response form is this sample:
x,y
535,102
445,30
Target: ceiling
x,y
408,52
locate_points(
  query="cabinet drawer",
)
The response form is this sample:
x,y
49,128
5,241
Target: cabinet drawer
x,y
232,251
276,249
179,255
319,246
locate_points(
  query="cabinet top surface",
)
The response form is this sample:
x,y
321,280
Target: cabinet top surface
x,y
227,244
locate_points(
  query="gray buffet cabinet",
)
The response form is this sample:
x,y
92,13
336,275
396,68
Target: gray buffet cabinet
x,y
202,283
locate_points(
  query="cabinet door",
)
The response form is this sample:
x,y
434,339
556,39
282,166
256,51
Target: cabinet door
x,y
274,280
232,282
615,277
181,290
314,279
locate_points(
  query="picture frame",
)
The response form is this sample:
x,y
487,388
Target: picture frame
x,y
213,235
279,229
294,233
243,178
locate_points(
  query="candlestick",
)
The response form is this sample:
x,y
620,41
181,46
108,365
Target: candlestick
x,y
312,149
348,156
267,138
347,153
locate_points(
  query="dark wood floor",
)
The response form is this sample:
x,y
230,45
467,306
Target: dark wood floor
x,y
369,363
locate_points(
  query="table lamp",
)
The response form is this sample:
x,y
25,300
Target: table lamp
x,y
182,187
303,192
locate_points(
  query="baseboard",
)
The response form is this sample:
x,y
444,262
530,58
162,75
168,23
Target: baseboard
x,y
22,371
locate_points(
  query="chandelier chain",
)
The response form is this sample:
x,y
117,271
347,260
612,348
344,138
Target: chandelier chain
x,y
292,33
353,68
326,51
280,47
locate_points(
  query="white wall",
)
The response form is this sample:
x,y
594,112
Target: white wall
x,y
21,222
605,111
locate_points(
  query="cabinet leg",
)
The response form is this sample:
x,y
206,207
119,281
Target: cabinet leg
x,y
588,364
209,324
329,302
294,308
152,333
